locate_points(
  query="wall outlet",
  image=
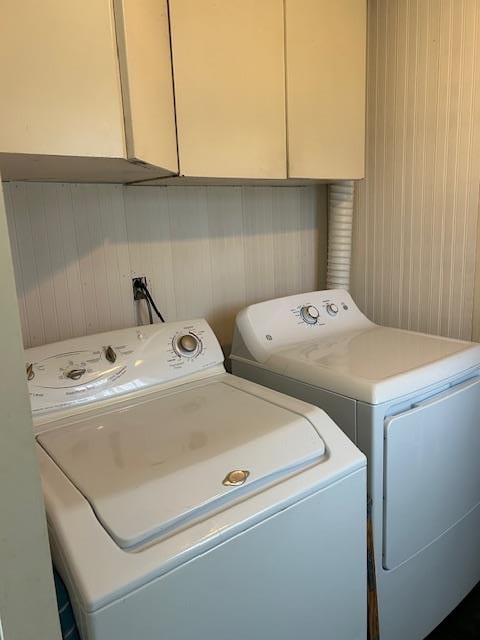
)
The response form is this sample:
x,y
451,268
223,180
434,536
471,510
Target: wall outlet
x,y
137,292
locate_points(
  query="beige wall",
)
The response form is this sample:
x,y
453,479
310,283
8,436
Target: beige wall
x,y
28,608
207,252
416,220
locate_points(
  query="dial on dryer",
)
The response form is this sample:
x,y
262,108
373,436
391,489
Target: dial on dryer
x,y
310,314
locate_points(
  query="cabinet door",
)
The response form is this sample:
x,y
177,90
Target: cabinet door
x,y
228,61
325,61
147,83
60,82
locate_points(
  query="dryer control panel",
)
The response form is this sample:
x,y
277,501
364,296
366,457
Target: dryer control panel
x,y
268,326
107,365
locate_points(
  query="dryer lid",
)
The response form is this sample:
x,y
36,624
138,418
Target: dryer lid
x,y
377,364
153,467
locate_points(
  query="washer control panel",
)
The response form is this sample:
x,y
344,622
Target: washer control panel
x,y
99,367
268,326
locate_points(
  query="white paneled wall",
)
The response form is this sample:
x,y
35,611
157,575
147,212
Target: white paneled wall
x,y
416,220
206,251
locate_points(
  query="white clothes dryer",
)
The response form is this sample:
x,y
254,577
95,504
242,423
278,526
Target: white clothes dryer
x,y
411,402
184,502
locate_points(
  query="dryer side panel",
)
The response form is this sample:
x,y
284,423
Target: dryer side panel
x,y
339,408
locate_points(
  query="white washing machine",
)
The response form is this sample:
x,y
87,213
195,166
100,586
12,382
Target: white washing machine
x,y
411,402
184,502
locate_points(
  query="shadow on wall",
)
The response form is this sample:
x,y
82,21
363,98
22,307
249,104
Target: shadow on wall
x,y
206,252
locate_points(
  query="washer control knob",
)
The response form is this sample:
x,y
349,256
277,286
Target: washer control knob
x,y
332,309
75,374
110,354
30,372
188,343
310,314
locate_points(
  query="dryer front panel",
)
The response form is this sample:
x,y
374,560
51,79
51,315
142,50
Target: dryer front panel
x,y
432,470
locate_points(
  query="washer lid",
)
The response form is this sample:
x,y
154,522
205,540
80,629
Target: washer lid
x,y
153,467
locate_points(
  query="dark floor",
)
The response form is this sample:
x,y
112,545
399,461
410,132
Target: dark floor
x,y
463,623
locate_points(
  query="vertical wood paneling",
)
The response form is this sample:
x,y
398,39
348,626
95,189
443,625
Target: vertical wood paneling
x,y
42,260
206,251
30,280
150,248
224,210
17,268
258,243
103,255
192,275
399,161
313,238
117,259
54,209
416,218
91,259
72,321
287,245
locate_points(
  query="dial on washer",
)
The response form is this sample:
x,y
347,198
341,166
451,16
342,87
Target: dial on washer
x,y
188,344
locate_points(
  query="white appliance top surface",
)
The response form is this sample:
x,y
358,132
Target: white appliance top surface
x,y
67,376
136,489
136,455
345,352
153,467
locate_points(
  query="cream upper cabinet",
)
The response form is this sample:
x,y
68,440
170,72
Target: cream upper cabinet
x,y
229,77
134,90
147,84
61,86
325,72
269,89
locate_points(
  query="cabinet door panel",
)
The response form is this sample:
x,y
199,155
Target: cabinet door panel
x,y
325,61
60,82
147,83
228,60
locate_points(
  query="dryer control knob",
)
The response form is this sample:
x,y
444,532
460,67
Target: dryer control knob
x,y
310,314
332,309
188,343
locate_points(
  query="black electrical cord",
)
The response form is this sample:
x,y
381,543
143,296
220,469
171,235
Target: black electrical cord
x,y
152,301
141,292
149,307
